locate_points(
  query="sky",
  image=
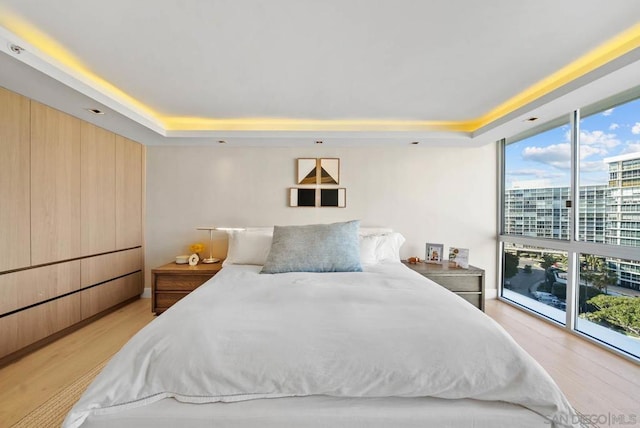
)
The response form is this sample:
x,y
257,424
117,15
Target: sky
x,y
547,156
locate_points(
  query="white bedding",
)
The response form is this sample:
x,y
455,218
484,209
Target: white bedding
x,y
385,332
321,411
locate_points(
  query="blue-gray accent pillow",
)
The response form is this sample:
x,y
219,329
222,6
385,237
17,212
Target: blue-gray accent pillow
x,y
315,248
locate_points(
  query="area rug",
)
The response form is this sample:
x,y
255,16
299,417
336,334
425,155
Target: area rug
x,y
53,411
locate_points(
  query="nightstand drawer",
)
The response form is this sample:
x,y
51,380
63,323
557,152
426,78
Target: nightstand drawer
x,y
171,282
166,300
472,298
181,282
467,283
459,283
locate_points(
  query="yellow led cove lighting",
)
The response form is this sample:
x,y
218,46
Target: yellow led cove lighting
x,y
282,124
51,48
612,49
616,47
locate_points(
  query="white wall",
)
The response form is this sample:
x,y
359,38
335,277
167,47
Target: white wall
x,y
429,194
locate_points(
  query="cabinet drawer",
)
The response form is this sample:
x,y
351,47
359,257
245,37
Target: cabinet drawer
x,y
31,325
108,266
27,287
99,298
166,300
474,299
181,282
459,283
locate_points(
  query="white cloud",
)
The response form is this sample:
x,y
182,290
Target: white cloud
x,y
533,172
586,151
613,127
556,155
632,147
593,166
559,155
636,128
607,112
599,139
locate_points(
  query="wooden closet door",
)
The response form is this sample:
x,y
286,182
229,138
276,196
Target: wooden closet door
x,y
98,190
15,227
129,171
55,185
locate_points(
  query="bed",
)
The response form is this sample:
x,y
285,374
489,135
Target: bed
x,y
373,344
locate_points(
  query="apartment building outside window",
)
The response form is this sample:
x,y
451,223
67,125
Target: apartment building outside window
x,y
570,222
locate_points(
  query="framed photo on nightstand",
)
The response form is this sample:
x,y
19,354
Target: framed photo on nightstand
x,y
433,253
459,257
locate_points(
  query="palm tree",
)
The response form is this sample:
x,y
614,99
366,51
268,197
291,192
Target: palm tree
x,y
590,270
605,278
590,267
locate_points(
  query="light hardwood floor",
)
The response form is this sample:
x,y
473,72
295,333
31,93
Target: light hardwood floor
x,y
595,381
32,380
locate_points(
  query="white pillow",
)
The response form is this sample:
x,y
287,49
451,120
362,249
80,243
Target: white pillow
x,y
367,231
388,247
248,247
380,248
368,247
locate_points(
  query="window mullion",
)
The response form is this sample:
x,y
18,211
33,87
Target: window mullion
x,y
574,213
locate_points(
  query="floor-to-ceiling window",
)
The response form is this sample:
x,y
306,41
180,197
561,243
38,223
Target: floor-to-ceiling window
x,y
570,221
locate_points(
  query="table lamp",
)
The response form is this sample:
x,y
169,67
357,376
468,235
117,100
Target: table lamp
x,y
212,259
209,259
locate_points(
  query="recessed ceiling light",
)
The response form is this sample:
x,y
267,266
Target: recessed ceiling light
x,y
319,142
95,111
16,49
531,119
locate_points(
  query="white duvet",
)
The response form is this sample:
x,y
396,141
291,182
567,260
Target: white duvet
x,y
385,332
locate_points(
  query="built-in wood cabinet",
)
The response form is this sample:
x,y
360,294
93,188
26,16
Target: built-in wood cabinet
x,y
129,179
26,327
71,201
101,297
98,190
107,266
15,226
55,185
24,288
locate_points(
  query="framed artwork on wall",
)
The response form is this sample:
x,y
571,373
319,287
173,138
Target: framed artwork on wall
x,y
329,171
333,197
307,171
318,171
302,197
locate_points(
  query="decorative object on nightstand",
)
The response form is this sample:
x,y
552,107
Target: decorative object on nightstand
x,y
433,253
196,248
193,259
210,259
459,257
467,283
172,282
182,260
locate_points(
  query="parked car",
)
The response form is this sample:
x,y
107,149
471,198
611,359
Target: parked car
x,y
546,298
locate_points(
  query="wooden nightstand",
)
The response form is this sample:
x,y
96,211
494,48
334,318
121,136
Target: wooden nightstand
x,y
171,282
467,283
